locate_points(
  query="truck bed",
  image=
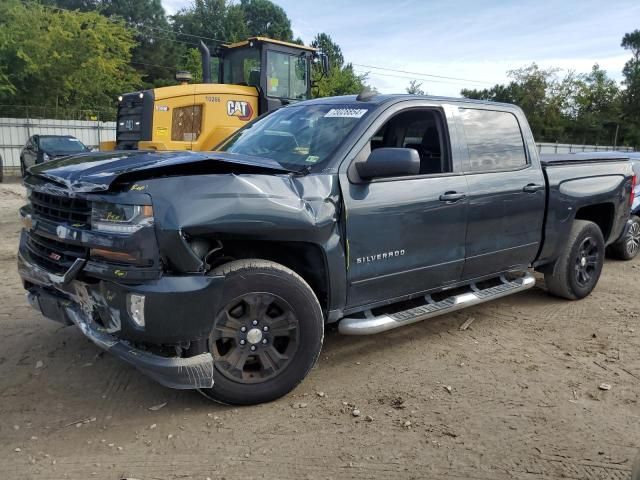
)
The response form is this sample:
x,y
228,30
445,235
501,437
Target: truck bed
x,y
552,159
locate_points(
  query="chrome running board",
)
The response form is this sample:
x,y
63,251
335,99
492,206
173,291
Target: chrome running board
x,y
371,323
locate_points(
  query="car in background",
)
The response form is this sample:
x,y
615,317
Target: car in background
x,y
628,246
42,148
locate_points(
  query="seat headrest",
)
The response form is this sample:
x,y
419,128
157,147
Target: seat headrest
x,y
431,139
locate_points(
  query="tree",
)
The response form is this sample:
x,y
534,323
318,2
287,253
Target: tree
x,y
81,5
596,107
538,93
341,79
415,88
191,62
214,20
264,18
62,59
631,73
157,52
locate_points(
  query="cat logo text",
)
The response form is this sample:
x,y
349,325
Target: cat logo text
x,y
240,109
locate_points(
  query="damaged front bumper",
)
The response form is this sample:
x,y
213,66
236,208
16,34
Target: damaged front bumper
x,y
178,311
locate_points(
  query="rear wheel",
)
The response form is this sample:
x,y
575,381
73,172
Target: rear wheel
x,y
628,246
578,268
266,335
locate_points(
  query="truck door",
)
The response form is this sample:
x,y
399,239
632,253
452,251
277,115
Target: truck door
x,y
506,197
405,234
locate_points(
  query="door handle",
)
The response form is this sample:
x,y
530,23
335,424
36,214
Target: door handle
x,y
532,188
451,196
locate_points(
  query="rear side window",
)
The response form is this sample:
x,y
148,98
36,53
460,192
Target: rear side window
x,y
494,140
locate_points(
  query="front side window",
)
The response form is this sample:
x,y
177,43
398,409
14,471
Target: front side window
x,y
494,140
421,130
286,76
186,123
297,136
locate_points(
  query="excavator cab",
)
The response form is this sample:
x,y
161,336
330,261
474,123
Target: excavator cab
x,y
251,77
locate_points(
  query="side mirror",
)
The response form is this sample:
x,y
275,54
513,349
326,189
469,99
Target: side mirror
x,y
389,162
324,58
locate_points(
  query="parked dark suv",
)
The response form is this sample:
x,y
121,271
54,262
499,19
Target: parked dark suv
x,y
42,148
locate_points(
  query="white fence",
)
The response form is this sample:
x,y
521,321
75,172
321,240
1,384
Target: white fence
x,y
14,133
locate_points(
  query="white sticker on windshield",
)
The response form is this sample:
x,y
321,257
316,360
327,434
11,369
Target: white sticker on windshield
x,y
346,112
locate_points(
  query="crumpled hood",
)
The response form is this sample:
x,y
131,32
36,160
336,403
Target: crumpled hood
x,y
92,172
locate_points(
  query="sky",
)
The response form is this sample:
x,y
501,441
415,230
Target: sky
x,y
477,41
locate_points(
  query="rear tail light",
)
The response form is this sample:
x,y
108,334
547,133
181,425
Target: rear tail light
x,y
634,184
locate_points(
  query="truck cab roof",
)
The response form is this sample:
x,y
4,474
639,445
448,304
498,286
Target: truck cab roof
x,y
380,99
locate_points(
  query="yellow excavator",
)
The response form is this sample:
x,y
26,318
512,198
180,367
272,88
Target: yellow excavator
x,y
253,77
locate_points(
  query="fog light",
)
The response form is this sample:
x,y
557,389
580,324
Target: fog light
x,y
135,306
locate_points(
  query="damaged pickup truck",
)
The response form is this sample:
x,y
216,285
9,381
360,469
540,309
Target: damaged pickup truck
x,y
219,271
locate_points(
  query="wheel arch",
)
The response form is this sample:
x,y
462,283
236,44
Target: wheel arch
x,y
309,260
602,214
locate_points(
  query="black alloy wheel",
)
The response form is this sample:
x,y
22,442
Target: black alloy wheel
x,y
586,261
254,337
266,333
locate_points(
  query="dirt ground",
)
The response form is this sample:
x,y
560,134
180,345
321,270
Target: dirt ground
x,y
516,395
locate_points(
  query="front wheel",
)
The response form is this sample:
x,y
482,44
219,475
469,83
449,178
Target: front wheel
x,y
267,333
579,265
628,247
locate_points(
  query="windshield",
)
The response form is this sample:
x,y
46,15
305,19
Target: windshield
x,y
61,144
297,136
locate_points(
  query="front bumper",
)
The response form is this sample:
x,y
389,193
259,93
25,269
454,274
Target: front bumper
x,y
178,311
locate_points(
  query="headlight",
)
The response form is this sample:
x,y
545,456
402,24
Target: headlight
x,y
117,218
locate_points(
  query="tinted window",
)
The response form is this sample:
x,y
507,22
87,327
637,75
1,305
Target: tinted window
x,y
61,145
494,140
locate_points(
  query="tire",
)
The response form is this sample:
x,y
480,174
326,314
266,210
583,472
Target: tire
x,y
579,265
282,321
628,247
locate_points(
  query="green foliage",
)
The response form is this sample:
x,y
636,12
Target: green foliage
x,y
341,79
583,108
191,62
156,54
264,18
60,59
415,88
631,96
214,19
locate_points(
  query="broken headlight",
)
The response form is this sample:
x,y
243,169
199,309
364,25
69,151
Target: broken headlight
x,y
117,218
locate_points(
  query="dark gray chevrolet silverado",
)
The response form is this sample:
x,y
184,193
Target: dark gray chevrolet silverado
x,y
219,271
